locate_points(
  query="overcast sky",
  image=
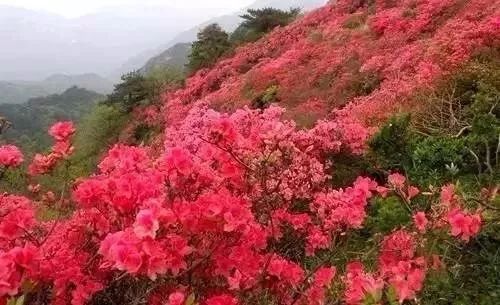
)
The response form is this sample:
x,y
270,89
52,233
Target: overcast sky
x,y
74,8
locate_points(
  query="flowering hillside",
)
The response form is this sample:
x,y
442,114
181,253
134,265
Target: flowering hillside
x,y
366,56
242,205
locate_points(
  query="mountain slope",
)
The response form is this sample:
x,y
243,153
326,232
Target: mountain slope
x,y
174,57
17,92
366,58
228,22
30,120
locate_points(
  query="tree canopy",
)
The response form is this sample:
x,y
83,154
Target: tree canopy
x,y
212,43
257,22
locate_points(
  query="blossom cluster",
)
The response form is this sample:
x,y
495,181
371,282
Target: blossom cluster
x,y
61,132
387,51
10,156
214,206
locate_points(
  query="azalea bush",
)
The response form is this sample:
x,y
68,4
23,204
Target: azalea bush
x,y
209,220
230,205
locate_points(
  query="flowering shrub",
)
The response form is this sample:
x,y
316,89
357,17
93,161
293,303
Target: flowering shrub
x,y
373,68
61,132
238,207
10,156
207,216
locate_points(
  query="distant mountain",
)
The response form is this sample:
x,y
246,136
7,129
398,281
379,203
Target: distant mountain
x,y
20,92
35,44
228,22
17,92
30,120
89,81
174,57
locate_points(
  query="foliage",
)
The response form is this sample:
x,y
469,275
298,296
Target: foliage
x,y
211,44
387,214
130,92
257,22
213,213
29,121
454,137
138,89
174,57
96,132
266,99
392,143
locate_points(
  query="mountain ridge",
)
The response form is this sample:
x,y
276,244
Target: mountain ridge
x,y
17,91
228,22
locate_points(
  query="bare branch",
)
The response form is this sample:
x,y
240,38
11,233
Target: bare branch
x,y
488,157
462,131
478,162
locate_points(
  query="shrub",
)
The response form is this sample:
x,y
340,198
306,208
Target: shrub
x,y
392,144
217,218
265,99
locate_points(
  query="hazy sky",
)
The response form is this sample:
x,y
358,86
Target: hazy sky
x,y
74,8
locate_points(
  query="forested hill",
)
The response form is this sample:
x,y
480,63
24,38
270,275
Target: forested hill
x,y
31,120
18,92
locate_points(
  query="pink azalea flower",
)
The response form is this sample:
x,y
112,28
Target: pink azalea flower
x,y
420,221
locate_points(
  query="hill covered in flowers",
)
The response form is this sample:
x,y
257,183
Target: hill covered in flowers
x,y
368,57
351,157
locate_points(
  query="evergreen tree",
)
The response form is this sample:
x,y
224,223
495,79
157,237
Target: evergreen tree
x,y
257,22
130,91
212,43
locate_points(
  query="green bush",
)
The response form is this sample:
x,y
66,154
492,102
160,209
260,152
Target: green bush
x,y
269,96
391,145
96,132
387,214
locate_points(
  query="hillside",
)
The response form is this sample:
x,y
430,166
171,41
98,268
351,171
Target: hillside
x,y
366,59
174,57
351,157
18,92
228,22
30,120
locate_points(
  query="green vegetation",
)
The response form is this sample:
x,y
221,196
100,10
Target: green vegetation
x,y
258,22
212,43
456,135
455,138
175,57
136,88
269,96
96,132
30,121
19,92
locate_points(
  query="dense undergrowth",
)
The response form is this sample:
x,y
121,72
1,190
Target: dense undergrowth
x,y
390,199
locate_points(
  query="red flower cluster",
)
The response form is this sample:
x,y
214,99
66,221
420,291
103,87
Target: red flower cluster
x,y
211,206
62,148
10,156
